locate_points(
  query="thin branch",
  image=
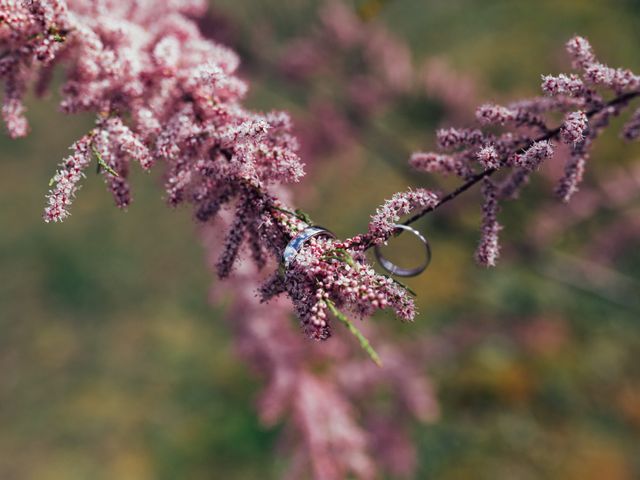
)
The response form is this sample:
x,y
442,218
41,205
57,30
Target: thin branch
x,y
621,99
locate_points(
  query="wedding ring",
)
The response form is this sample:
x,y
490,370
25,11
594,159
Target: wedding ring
x,y
297,242
394,269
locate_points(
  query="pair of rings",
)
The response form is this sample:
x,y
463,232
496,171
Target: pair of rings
x,y
297,242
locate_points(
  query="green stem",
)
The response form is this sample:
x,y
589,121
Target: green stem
x,y
304,218
402,285
364,343
103,164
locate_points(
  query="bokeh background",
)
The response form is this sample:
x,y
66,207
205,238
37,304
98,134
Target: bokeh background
x,y
113,364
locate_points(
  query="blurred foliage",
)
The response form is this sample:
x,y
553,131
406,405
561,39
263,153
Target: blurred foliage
x,y
114,365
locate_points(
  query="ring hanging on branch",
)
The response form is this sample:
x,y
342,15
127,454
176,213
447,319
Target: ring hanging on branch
x,y
394,269
297,242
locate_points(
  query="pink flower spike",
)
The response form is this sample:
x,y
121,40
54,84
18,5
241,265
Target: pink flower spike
x,y
488,157
563,85
488,250
574,127
581,52
65,181
382,223
534,155
491,114
435,163
573,173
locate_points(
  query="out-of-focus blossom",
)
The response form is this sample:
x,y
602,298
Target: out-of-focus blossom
x,y
631,129
436,163
573,173
490,114
616,190
454,90
574,127
317,388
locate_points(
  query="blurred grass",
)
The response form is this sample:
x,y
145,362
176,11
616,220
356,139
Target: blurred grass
x,y
114,365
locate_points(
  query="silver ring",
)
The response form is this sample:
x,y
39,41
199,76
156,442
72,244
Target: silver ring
x,y
394,269
297,242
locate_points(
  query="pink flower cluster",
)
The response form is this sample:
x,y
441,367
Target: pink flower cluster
x,y
489,249
385,70
330,273
385,77
339,115
164,94
382,223
66,180
327,393
521,140
30,31
149,64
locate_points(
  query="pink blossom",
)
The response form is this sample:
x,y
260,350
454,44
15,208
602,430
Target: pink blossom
x,y
527,140
13,115
574,127
510,187
491,114
563,84
328,424
488,157
325,436
129,143
435,162
457,137
598,73
65,181
631,129
573,173
326,270
581,52
456,91
162,92
382,223
489,248
534,155
615,78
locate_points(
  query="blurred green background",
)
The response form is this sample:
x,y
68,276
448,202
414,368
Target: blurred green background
x,y
114,365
